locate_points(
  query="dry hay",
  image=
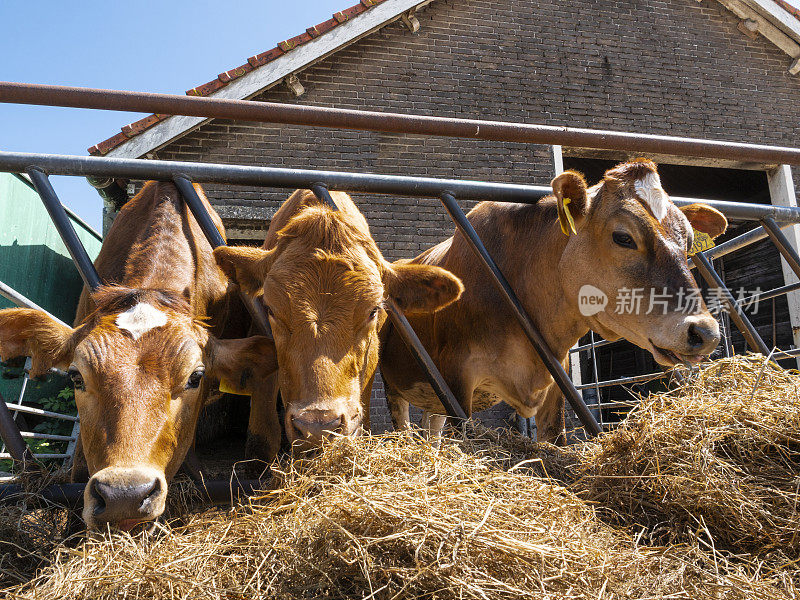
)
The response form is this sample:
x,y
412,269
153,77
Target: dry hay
x,y
396,517
718,459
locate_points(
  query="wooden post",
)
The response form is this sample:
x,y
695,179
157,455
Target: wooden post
x,y
781,192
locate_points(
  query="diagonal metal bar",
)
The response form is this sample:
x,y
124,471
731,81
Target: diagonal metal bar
x,y
782,243
323,195
425,361
23,301
256,309
706,269
12,437
550,361
65,229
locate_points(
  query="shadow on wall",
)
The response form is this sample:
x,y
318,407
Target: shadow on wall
x,y
43,275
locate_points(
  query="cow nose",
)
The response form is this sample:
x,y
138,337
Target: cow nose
x,y
702,335
312,426
124,499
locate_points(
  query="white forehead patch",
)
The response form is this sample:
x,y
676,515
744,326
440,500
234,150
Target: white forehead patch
x,y
649,189
140,319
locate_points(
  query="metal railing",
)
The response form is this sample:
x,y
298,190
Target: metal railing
x,y
38,166
734,309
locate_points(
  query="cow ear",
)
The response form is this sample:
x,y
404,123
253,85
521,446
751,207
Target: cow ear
x,y
706,219
242,365
421,288
27,332
569,188
245,265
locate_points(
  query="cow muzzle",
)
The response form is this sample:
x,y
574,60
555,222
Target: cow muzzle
x,y
697,337
306,429
124,497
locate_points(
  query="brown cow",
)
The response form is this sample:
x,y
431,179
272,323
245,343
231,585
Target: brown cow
x,y
629,235
325,281
143,357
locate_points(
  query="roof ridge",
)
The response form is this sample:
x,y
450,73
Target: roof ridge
x,y
225,78
792,10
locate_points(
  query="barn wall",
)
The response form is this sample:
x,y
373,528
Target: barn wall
x,y
678,68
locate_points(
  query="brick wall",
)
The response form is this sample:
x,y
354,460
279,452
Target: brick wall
x,y
678,68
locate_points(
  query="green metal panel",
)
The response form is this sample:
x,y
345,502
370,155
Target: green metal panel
x,y
33,260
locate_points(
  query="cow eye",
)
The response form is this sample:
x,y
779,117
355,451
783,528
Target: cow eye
x,y
374,313
194,379
623,239
77,379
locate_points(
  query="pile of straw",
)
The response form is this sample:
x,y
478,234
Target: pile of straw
x,y
394,517
718,459
709,473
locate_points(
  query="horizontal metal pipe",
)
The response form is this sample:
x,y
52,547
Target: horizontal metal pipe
x,y
14,296
314,116
71,494
46,436
769,294
597,344
42,413
39,456
394,185
164,170
624,380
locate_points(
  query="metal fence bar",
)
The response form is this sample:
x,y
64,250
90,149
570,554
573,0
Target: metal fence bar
x,y
396,185
624,380
17,448
14,296
339,118
783,244
768,295
71,494
424,360
597,344
214,237
42,413
540,345
46,436
706,269
64,226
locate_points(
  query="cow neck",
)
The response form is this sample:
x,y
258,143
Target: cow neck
x,y
163,252
531,261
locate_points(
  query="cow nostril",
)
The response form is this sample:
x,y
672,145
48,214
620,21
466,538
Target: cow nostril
x,y
153,492
695,340
100,501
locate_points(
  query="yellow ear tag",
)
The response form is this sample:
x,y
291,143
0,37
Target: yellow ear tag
x,y
568,215
225,388
702,242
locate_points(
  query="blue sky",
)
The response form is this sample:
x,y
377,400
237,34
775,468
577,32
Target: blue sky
x,y
152,46
140,45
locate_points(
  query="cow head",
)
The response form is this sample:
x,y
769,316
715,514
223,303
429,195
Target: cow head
x,y
324,284
142,367
628,247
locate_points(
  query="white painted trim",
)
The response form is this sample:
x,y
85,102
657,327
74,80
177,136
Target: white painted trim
x,y
271,73
782,193
779,16
774,23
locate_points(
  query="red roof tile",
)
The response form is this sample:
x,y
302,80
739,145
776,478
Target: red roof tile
x,y
225,78
792,10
